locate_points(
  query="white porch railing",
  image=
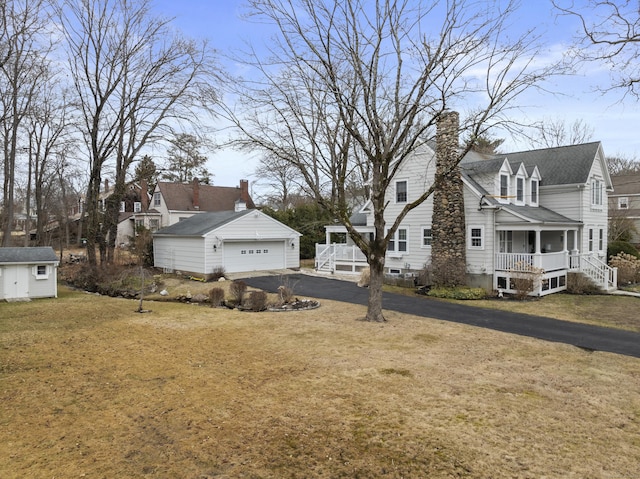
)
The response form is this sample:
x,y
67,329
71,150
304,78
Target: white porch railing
x,y
524,262
327,256
600,272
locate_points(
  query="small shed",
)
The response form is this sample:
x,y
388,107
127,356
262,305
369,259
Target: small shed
x,y
234,241
27,273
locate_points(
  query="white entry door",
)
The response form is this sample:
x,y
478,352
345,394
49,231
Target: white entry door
x,y
253,256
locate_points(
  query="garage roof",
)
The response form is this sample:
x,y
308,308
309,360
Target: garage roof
x,y
201,223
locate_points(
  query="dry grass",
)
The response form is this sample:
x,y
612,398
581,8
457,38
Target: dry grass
x,y
92,389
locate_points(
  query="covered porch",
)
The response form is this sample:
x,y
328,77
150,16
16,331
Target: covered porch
x,y
545,256
339,253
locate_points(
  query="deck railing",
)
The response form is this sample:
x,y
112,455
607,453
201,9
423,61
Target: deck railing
x,y
328,255
525,262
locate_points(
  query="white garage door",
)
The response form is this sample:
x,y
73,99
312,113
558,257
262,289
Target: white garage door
x,y
253,256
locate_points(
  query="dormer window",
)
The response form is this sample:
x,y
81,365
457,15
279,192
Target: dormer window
x,y
504,186
520,190
534,192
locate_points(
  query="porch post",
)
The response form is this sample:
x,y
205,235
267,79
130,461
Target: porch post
x,y
564,241
327,237
537,261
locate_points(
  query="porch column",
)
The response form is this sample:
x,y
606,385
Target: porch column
x,y
537,258
565,240
327,237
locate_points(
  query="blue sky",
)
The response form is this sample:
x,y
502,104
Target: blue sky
x,y
614,123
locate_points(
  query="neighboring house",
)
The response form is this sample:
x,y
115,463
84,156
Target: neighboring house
x,y
624,206
172,202
27,273
543,209
231,241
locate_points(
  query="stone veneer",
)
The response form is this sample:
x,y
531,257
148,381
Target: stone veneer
x,y
448,257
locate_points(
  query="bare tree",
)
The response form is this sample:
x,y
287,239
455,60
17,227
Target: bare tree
x,y
619,165
282,179
23,66
609,32
364,83
553,132
135,79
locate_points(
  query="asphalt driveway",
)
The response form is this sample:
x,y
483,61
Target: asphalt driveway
x,y
592,338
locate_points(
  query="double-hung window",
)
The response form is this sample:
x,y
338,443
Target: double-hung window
x,y
520,190
401,191
596,192
399,241
623,203
427,236
476,237
534,192
504,186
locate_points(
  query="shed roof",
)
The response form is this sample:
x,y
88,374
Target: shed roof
x,y
40,254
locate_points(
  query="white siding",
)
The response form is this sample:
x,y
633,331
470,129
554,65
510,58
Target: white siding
x,y
198,255
257,226
419,172
479,261
180,254
20,281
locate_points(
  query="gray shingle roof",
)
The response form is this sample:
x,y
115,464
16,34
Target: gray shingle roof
x,y
179,197
539,214
201,223
41,254
564,165
628,184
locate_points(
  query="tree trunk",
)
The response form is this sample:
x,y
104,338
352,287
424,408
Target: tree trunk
x,y
374,306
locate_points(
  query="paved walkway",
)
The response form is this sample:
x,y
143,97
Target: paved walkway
x,y
591,338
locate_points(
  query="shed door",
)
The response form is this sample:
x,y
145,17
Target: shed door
x,y
16,282
253,256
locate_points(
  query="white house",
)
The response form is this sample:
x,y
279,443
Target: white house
x,y
542,208
28,273
236,241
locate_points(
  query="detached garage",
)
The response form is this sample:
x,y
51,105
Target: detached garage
x,y
238,242
28,273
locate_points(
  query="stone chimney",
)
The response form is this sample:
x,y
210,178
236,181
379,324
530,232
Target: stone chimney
x,y
448,250
244,191
144,195
196,194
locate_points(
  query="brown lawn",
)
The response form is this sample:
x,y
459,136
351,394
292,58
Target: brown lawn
x,y
89,388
